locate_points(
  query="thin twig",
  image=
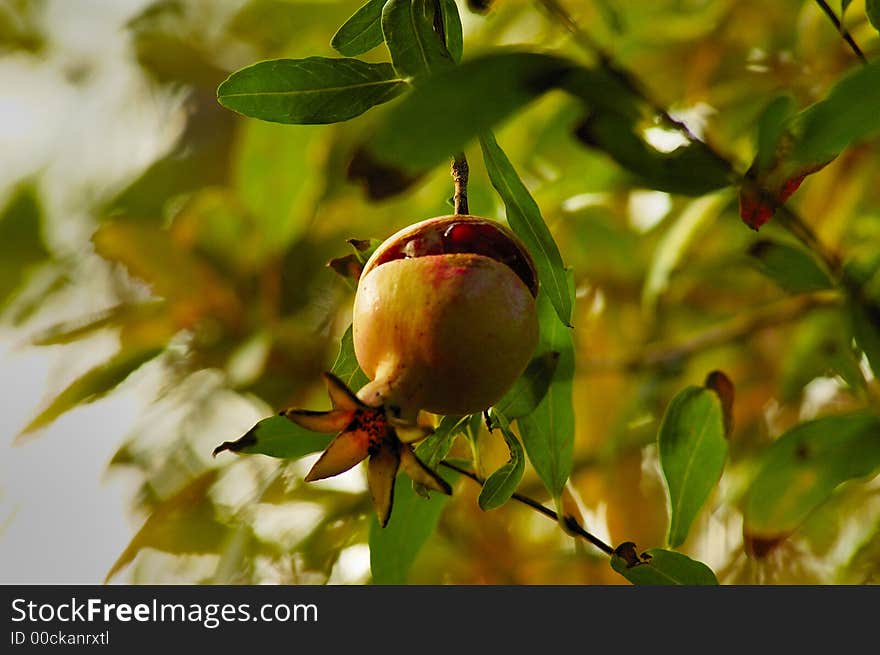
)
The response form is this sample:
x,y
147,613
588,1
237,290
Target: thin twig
x,y
570,523
798,227
842,30
460,181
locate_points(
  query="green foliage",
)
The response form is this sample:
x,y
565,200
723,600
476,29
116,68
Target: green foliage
x,y
432,122
95,383
525,219
791,267
346,366
394,548
416,49
872,8
689,170
214,254
500,486
361,32
663,567
315,90
802,468
182,524
548,432
276,436
529,389
21,244
693,449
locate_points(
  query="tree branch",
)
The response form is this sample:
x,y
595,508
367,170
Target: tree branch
x,y
570,523
842,30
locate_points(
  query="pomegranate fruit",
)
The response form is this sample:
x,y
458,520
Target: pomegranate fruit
x,y
444,321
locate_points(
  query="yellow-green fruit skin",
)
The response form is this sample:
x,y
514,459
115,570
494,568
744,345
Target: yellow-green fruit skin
x,y
447,333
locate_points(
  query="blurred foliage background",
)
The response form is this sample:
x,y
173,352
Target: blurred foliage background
x,y
169,245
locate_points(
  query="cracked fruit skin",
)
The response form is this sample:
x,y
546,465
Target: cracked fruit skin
x,y
444,316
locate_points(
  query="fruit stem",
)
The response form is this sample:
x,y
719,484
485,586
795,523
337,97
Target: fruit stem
x,y
460,172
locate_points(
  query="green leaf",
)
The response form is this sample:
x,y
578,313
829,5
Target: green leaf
x,y
688,170
452,29
346,366
844,5
500,486
361,32
771,125
447,110
693,450
529,389
821,345
809,140
314,90
526,221
21,244
802,468
865,321
548,432
277,436
664,567
436,446
872,8
94,384
183,523
119,316
394,548
791,267
416,49
850,112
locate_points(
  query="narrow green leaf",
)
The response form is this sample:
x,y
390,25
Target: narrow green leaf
x,y
802,468
346,366
394,548
437,445
525,219
448,109
771,124
314,90
850,112
530,388
361,32
872,8
416,49
183,523
500,486
664,567
692,454
844,5
94,384
118,316
820,345
21,244
548,432
791,267
865,321
277,436
688,170
452,29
